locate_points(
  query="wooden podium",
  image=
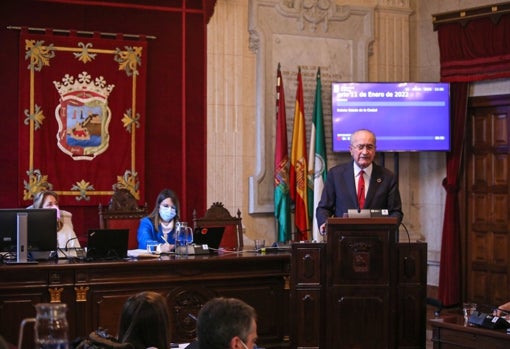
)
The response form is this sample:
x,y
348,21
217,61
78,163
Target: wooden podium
x,y
369,292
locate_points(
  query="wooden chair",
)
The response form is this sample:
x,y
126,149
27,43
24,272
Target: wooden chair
x,y
219,216
123,212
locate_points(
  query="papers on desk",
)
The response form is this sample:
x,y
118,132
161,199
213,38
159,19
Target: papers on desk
x,y
139,253
179,346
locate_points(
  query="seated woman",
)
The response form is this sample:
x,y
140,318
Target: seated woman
x,y
159,225
66,237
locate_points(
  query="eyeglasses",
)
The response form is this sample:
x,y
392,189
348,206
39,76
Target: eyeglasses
x,y
246,347
368,147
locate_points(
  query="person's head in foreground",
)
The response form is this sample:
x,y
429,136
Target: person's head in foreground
x,y
227,323
144,321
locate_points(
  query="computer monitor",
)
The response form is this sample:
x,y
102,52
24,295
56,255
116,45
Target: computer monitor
x,y
41,230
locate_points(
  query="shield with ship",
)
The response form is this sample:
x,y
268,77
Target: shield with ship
x,y
83,117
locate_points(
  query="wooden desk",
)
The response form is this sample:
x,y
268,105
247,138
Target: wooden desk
x,y
96,291
449,332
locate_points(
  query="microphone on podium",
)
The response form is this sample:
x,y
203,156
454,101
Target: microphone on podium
x,y
68,241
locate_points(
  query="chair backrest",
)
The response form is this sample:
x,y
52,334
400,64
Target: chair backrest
x,y
219,216
123,212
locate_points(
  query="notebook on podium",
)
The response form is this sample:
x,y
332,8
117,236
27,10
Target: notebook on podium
x,y
107,244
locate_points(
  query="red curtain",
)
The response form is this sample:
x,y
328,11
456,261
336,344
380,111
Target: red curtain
x,y
449,280
473,51
478,50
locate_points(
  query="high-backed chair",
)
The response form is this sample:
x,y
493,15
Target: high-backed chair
x,y
219,216
123,212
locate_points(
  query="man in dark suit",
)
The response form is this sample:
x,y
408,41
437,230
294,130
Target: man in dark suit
x,y
341,188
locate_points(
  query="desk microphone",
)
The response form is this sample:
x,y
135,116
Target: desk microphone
x,y
68,241
407,231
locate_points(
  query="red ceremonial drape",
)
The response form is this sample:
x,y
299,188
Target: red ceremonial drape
x,y
449,281
478,50
82,116
473,51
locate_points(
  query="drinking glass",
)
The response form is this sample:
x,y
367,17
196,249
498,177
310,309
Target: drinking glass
x,y
260,243
468,308
152,246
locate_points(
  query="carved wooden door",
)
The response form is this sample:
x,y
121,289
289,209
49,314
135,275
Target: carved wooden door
x,y
487,212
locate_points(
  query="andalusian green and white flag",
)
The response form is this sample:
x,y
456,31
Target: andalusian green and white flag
x,y
318,170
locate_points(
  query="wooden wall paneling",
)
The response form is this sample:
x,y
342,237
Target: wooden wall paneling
x,y
260,280
487,216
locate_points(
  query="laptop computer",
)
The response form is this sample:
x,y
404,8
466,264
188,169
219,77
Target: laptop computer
x,y
211,236
107,244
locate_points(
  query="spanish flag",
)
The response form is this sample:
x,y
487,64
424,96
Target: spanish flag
x,y
298,166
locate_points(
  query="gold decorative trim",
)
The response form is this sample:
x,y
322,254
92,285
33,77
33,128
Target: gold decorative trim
x,y
286,285
81,293
55,294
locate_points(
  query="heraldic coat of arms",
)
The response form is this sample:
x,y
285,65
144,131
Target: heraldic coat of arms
x,y
83,116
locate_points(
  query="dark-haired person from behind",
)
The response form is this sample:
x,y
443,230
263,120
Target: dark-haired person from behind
x,y
227,323
380,186
144,321
159,225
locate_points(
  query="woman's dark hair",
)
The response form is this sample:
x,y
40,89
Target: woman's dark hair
x,y
222,319
164,194
144,321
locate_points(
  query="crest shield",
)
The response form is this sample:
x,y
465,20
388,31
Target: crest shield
x,y
83,117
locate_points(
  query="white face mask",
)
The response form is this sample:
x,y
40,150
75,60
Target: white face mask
x,y
167,213
58,212
244,345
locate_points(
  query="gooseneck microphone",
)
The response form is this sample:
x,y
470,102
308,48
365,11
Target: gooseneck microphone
x,y
68,241
407,231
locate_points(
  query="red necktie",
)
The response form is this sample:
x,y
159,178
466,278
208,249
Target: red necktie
x,y
361,189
